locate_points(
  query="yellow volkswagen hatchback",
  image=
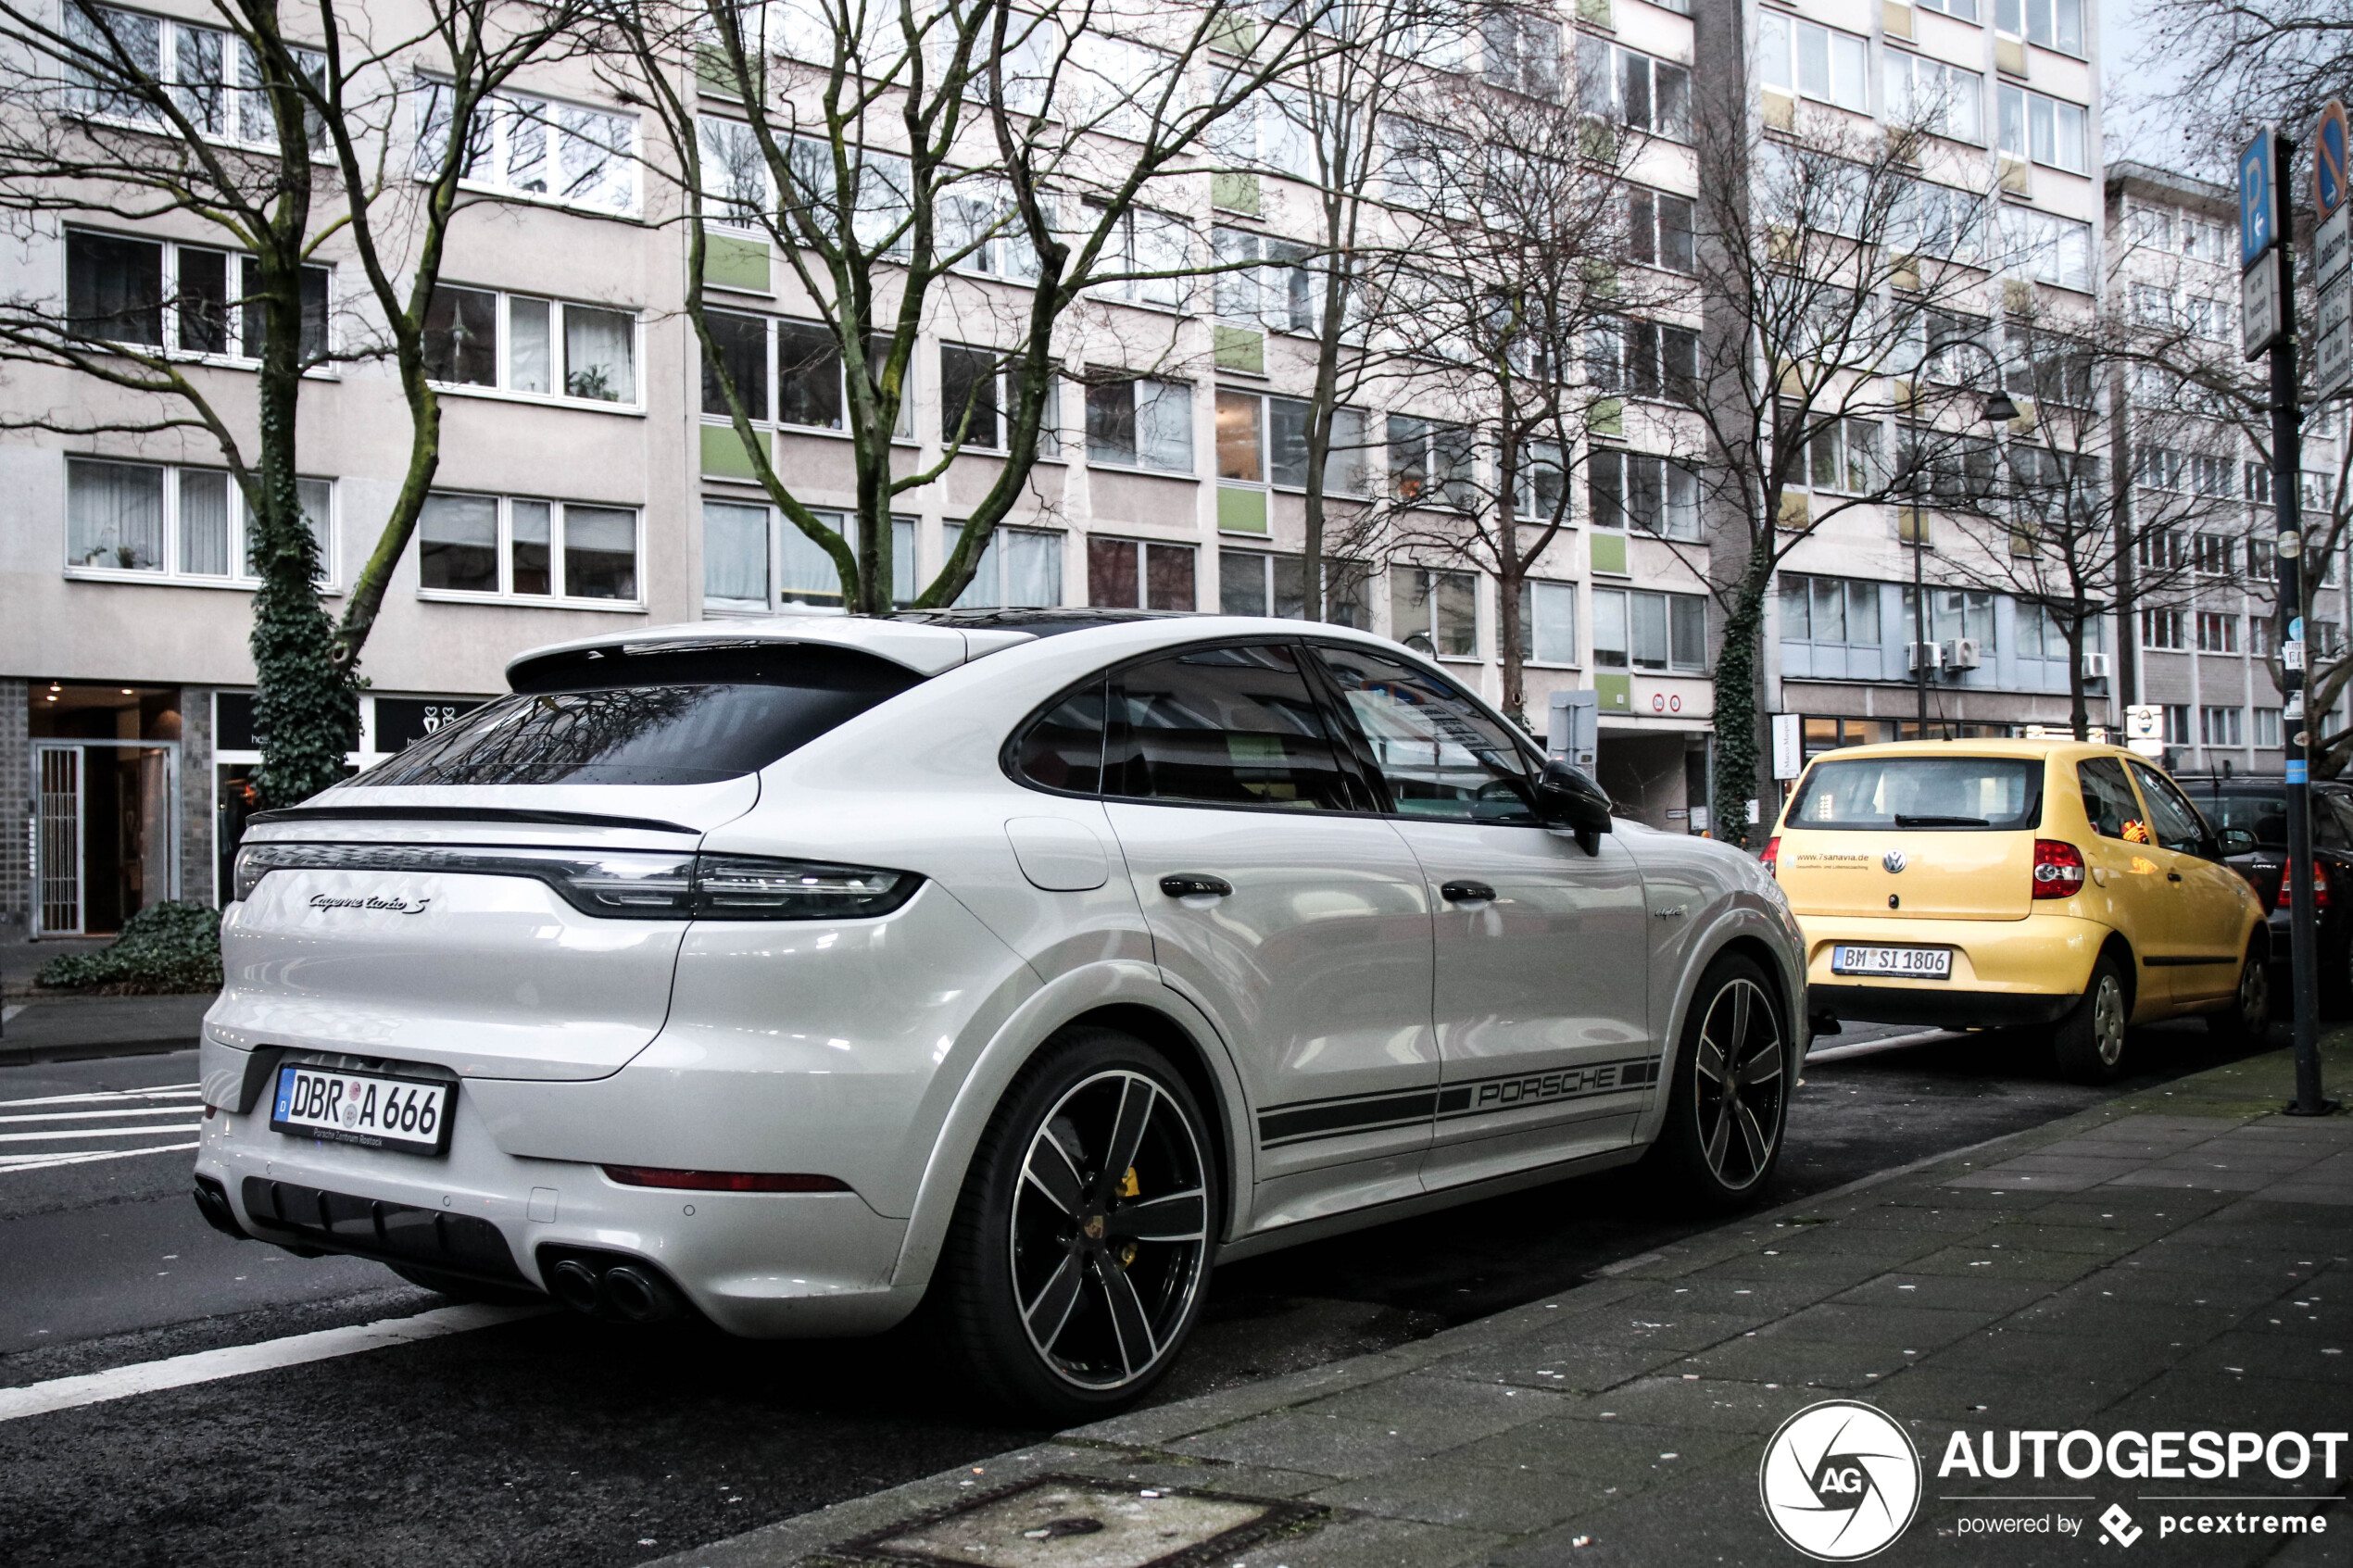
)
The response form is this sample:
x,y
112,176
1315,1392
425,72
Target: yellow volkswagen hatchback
x,y
1977,884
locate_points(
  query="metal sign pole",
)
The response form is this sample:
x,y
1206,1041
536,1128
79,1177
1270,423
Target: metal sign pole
x,y
2266,227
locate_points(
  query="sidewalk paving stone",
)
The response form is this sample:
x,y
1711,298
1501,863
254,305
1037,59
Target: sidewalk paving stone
x,y
2189,1284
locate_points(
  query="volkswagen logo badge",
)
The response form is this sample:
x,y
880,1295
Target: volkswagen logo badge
x,y
1893,861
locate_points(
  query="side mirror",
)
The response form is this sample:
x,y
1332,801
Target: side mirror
x,y
1566,799
2234,841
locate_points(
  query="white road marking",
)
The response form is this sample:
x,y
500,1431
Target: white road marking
x,y
239,1361
1872,1047
110,1096
44,1162
98,1132
102,1115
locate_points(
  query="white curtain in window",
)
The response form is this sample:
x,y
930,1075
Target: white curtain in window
x,y
1164,425
985,591
1033,569
809,575
114,516
734,555
600,355
529,353
204,522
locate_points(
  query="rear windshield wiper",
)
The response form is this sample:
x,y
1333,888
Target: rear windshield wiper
x,y
1904,822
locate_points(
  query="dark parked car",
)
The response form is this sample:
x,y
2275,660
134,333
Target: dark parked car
x,y
2258,804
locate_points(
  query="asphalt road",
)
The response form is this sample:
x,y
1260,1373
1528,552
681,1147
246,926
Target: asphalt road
x,y
560,1441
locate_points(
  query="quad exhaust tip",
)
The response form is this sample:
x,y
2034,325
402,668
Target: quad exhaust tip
x,y
614,1289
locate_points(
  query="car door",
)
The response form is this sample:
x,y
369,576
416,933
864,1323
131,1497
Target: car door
x,y
1542,949
1286,909
2124,864
2209,899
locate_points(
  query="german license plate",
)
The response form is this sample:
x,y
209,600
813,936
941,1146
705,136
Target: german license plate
x,y
1893,963
408,1114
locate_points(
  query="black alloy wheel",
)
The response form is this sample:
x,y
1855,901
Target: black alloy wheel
x,y
1080,1251
1727,1101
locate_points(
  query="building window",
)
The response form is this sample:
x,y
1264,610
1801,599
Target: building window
x,y
1642,358
160,523
2162,629
2042,633
1019,569
1520,51
2055,24
1658,231
985,235
2050,130
1254,582
2221,726
1140,423
1633,89
526,551
180,298
1845,460
1547,621
1430,463
2177,723
1953,612
534,347
1263,440
213,77
1266,283
1936,96
1436,612
1539,484
798,362
1135,575
978,393
1152,251
525,146
2216,553
2267,727
2048,248
738,187
2216,634
1643,631
1647,493
746,549
1813,61
1830,610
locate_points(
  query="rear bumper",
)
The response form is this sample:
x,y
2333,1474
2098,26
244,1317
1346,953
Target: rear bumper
x,y
1950,1009
2007,972
765,1266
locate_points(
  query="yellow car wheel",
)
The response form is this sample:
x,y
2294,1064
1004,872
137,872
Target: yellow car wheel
x,y
2089,1041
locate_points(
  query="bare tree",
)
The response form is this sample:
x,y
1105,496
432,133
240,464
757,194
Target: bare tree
x,y
1506,273
280,134
2068,539
1839,280
2229,65
877,150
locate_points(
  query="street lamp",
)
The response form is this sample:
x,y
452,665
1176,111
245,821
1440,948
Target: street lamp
x,y
1998,410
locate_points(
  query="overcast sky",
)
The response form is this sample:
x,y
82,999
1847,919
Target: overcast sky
x,y
2136,94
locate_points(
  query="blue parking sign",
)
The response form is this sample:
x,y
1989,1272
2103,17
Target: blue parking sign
x,y
2259,201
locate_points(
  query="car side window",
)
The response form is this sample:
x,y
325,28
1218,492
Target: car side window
x,y
2175,821
2328,822
1440,756
1224,726
1063,748
2108,802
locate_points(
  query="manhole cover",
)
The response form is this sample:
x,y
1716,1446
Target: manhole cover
x,y
1070,1522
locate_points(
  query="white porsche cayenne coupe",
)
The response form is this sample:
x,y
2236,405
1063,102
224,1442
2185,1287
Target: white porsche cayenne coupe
x,y
1016,965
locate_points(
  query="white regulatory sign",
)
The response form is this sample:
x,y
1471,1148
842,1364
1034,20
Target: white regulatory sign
x,y
2332,331
2259,304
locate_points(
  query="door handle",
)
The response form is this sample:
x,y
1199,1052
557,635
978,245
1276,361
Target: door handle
x,y
1466,892
1195,885
2172,876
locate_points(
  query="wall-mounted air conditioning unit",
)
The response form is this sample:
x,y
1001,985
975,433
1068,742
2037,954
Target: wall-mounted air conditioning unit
x,y
1917,654
2096,666
1961,653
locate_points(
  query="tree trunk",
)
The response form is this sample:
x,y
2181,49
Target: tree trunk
x,y
1737,754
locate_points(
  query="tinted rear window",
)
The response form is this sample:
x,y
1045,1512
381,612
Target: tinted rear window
x,y
2265,816
1958,792
597,726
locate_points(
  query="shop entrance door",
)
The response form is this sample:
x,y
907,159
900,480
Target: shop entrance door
x,y
107,836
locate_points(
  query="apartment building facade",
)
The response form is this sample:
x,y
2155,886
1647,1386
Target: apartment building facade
x,y
2009,91
2202,653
